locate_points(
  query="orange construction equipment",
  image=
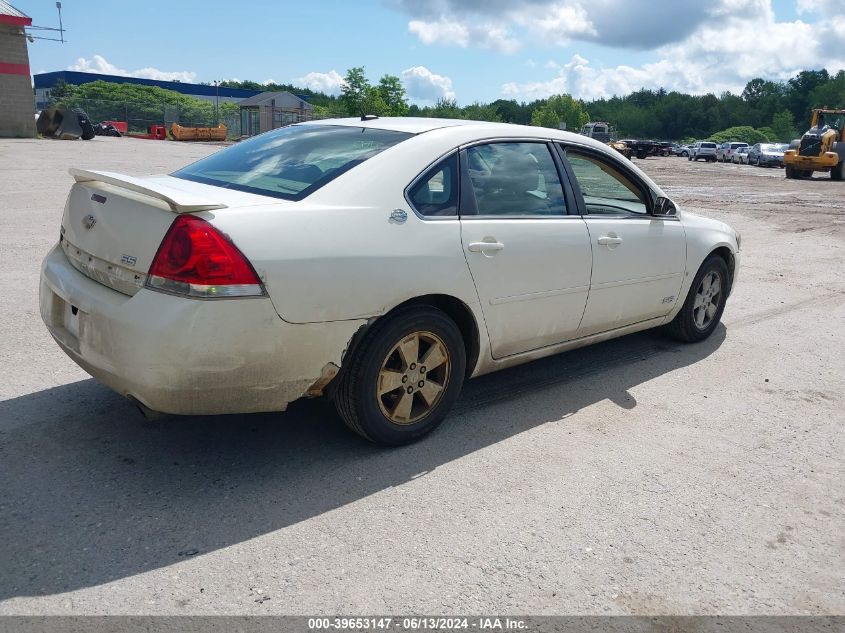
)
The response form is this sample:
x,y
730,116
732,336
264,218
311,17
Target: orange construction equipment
x,y
198,133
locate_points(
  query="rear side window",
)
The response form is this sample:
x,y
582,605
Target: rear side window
x,y
291,162
513,180
436,191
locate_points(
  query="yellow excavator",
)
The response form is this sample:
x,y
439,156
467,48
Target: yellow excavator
x,y
822,148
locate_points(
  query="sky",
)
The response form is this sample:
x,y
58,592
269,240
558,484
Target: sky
x,y
468,50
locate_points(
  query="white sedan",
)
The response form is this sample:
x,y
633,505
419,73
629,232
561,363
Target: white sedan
x,y
379,262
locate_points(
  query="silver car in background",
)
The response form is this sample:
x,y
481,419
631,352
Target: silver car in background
x,y
726,151
740,155
703,150
767,154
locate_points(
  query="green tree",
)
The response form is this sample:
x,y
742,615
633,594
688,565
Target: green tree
x,y
444,109
355,91
830,94
61,90
392,93
374,103
512,112
744,133
561,109
783,127
481,112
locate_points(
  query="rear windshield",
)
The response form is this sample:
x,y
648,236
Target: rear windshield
x,y
708,145
291,162
735,145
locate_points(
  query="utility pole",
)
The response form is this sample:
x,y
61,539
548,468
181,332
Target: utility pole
x,y
216,102
61,29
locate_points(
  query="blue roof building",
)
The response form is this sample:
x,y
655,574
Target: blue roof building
x,y
45,82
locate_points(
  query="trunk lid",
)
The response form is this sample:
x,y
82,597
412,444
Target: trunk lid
x,y
113,224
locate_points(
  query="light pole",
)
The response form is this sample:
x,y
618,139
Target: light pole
x,y
216,102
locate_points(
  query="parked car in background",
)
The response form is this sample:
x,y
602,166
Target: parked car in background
x,y
767,154
740,155
676,149
662,148
725,151
338,258
685,150
703,150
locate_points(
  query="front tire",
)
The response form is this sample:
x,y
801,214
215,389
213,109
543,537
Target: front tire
x,y
704,304
838,172
404,378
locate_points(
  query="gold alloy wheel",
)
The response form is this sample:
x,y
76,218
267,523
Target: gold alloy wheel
x,y
413,377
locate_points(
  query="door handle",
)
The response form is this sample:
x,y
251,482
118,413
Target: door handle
x,y
607,240
480,247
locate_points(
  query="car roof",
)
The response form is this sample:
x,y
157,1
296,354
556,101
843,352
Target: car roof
x,y
420,125
413,125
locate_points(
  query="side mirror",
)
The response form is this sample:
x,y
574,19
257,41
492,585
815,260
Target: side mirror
x,y
664,206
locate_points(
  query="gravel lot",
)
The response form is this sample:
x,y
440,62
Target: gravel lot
x,y
638,476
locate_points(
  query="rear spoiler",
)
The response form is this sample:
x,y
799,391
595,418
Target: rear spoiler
x,y
178,200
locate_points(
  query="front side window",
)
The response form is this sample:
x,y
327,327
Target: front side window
x,y
606,189
291,162
436,192
513,179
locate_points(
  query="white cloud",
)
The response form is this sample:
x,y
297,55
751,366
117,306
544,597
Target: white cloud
x,y
702,63
452,32
99,64
504,25
441,31
423,85
329,83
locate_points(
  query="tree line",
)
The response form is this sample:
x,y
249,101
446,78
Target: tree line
x,y
764,111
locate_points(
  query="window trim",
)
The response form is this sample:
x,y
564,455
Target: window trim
x,y
466,183
651,196
406,193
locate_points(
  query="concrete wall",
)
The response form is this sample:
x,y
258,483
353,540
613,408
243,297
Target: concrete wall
x,y
17,103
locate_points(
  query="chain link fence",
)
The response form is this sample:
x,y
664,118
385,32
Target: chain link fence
x,y
140,116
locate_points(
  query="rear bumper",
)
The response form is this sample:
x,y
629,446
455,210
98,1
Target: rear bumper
x,y
186,356
824,161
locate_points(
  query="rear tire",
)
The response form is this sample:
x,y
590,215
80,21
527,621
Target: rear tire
x,y
791,172
704,304
393,352
838,172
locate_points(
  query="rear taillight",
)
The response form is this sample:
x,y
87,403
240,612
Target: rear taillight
x,y
197,260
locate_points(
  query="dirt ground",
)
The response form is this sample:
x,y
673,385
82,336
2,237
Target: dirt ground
x,y
638,476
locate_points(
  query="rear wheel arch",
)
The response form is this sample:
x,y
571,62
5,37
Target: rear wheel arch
x,y
453,307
